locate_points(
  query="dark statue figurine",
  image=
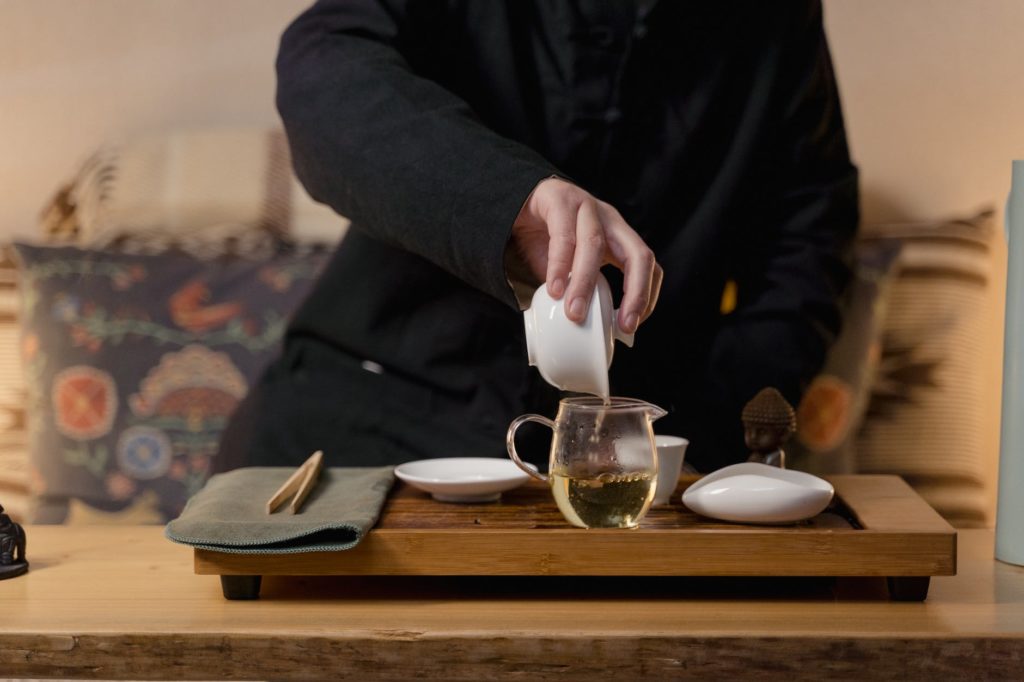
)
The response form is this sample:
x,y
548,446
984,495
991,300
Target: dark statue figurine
x,y
12,547
768,422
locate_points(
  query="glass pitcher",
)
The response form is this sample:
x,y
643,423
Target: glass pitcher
x,y
603,468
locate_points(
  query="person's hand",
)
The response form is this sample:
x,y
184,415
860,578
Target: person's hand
x,y
562,228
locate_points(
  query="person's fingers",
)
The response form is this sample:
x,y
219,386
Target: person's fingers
x,y
636,290
561,224
562,230
588,258
638,268
656,280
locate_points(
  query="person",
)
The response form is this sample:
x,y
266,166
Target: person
x,y
481,148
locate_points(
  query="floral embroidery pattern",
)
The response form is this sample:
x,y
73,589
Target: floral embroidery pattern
x,y
191,308
135,364
84,401
190,378
144,453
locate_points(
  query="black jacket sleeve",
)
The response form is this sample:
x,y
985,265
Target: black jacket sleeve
x,y
794,262
401,156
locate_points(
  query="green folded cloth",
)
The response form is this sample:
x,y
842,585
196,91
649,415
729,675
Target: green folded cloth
x,y
230,513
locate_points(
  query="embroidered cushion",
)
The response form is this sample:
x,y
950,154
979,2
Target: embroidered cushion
x,y
134,364
834,405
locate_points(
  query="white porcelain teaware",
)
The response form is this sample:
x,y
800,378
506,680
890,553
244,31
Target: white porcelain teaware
x,y
671,452
759,493
570,356
463,479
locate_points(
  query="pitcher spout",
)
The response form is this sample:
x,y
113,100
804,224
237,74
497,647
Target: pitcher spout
x,y
654,413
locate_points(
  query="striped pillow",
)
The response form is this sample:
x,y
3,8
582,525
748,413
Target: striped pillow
x,y
14,478
206,192
927,414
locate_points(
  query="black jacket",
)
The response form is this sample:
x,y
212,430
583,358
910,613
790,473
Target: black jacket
x,y
715,129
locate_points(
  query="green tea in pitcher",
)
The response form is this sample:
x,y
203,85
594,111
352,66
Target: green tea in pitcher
x,y
607,501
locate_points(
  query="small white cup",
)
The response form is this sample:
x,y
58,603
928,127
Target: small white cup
x,y
671,451
570,356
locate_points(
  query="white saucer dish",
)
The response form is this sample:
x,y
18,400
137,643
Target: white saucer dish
x,y
758,493
463,479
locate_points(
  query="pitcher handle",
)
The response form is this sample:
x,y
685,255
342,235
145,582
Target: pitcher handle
x,y
510,441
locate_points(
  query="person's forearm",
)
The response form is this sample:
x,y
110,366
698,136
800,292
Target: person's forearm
x,y
401,156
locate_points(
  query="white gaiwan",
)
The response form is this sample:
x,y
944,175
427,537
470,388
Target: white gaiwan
x,y
758,493
570,356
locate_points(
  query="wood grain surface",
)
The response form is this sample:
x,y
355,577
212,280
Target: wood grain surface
x,y
123,603
878,526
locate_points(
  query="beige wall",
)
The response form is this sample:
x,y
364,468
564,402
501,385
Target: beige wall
x,y
76,72
933,92
933,89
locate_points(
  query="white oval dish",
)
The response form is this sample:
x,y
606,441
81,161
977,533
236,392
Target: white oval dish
x,y
758,493
463,479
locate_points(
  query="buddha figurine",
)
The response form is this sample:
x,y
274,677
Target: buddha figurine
x,y
768,422
12,547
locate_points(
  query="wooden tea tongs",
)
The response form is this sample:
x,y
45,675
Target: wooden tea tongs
x,y
300,483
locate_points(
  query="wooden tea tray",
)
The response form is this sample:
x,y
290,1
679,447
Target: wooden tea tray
x,y
876,526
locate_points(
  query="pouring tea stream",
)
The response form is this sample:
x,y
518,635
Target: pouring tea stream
x,y
603,466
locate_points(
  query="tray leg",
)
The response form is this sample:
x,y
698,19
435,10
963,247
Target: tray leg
x,y
908,588
241,586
